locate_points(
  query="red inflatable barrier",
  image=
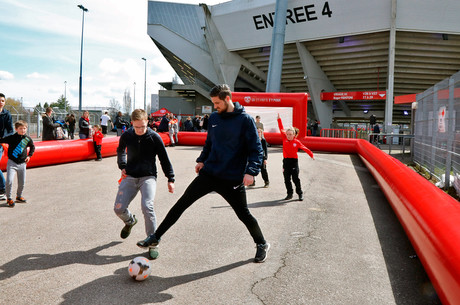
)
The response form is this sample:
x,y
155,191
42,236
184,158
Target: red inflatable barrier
x,y
63,151
429,216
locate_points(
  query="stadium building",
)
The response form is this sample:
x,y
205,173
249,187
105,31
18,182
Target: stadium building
x,y
368,52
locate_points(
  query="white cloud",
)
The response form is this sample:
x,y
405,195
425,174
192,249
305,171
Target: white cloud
x,y
5,75
36,75
115,40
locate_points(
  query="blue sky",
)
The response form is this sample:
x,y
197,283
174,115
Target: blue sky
x,y
40,51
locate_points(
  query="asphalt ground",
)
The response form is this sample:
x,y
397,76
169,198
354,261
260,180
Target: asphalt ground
x,y
341,245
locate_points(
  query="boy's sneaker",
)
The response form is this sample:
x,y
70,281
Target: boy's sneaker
x,y
288,197
262,251
2,196
21,199
10,203
127,228
300,197
267,184
153,252
150,241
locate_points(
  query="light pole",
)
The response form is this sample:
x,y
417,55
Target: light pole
x,y
84,9
145,81
65,96
134,103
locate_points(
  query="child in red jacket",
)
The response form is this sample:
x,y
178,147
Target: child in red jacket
x,y
97,141
290,160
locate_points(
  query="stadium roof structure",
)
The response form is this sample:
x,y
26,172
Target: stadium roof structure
x,y
398,46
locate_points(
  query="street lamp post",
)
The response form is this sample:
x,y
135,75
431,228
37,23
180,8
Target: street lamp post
x,y
84,9
65,96
134,103
145,82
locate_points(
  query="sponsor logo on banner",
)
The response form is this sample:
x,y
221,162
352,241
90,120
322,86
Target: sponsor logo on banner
x,y
442,119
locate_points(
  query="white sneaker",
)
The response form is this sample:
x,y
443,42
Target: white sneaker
x,y
2,197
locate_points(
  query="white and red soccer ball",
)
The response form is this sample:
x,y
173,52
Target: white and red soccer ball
x,y
139,268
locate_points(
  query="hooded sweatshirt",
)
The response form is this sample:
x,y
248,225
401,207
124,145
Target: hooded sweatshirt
x,y
232,148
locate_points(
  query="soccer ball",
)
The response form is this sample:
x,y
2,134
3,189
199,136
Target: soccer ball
x,y
139,268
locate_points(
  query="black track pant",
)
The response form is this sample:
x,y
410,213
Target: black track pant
x,y
233,192
291,169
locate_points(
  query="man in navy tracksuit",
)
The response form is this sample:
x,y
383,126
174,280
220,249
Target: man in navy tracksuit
x,y
231,157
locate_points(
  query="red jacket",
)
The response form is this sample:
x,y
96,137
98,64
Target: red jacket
x,y
290,148
97,138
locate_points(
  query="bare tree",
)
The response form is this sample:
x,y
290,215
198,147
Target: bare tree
x,y
115,104
127,101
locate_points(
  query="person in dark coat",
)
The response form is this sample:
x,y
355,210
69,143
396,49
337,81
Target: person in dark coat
x,y
6,129
188,125
164,124
49,126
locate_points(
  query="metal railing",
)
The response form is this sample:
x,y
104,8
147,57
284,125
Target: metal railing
x,y
338,133
391,141
33,117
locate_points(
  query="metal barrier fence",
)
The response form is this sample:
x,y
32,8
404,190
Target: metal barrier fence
x,y
392,142
437,131
33,117
338,133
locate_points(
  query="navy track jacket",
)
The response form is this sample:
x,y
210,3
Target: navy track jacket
x,y
232,147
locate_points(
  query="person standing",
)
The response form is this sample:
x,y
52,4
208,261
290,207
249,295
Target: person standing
x,y
290,159
259,124
6,129
49,126
105,119
164,124
188,125
263,168
137,151
18,157
84,126
97,141
120,123
314,128
71,122
231,157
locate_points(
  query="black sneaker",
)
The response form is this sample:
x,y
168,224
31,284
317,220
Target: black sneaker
x,y
261,254
127,228
300,197
150,241
267,184
288,197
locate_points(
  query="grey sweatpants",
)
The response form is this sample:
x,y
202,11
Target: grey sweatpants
x,y
128,189
11,169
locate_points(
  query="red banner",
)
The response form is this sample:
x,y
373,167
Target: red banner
x,y
353,96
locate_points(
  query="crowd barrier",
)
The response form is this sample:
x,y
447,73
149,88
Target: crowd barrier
x,y
428,215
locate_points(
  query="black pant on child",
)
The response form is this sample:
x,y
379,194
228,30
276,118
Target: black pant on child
x,y
291,169
233,192
97,149
264,173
